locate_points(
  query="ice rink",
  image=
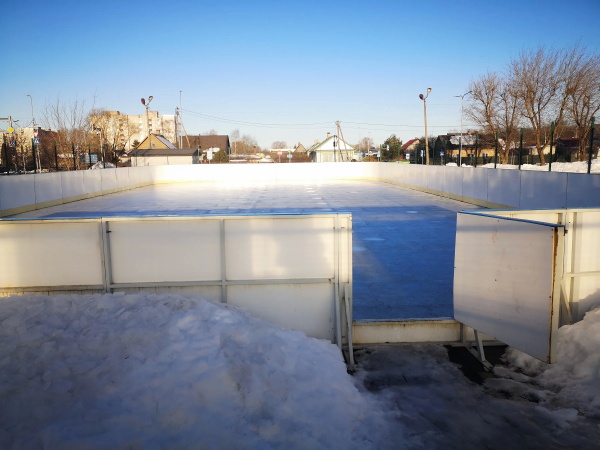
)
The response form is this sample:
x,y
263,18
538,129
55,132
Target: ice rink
x,y
403,240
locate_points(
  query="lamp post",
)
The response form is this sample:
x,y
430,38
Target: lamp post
x,y
147,105
424,98
32,115
462,98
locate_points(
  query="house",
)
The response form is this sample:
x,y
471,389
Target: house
x,y
204,142
332,149
156,150
410,145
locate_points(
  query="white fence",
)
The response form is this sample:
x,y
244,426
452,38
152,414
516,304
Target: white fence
x,y
516,271
486,187
293,270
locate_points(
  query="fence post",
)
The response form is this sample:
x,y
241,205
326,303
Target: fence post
x,y
496,152
551,144
591,146
55,157
520,147
73,149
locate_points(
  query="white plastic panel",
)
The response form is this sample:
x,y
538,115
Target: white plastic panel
x,y
16,191
259,248
503,281
47,187
584,258
92,181
167,250
504,187
50,253
543,189
583,190
305,307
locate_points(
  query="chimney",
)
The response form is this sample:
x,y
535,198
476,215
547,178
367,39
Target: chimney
x,y
328,135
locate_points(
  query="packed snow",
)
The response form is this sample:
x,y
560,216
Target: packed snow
x,y
156,371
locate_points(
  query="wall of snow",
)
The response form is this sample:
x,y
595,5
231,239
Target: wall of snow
x,y
525,189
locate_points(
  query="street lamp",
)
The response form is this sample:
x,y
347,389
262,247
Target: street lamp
x,y
462,98
147,105
32,116
424,98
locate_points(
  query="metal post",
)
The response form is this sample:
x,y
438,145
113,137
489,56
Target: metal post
x,y
89,155
424,98
73,149
460,150
591,146
496,152
5,147
476,144
55,157
34,155
520,147
551,144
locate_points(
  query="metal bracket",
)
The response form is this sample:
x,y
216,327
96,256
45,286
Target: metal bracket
x,y
478,353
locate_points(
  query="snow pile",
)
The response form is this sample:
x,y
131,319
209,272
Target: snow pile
x,y
574,381
156,371
573,167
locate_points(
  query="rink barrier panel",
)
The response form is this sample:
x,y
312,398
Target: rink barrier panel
x,y
520,274
500,188
292,270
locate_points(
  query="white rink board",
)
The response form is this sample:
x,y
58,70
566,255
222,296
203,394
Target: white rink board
x,y
150,251
280,248
289,269
50,254
504,281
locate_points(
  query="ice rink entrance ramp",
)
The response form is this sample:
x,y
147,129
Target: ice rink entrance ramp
x,y
520,274
292,270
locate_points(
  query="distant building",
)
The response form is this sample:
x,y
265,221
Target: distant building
x,y
157,150
332,149
123,130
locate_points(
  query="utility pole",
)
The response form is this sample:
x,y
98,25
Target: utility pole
x,y
424,98
147,105
462,98
180,121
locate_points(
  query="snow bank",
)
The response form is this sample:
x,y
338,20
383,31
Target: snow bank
x,y
155,371
574,381
573,167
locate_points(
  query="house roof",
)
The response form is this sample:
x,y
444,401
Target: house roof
x,y
409,144
150,152
155,141
208,141
327,145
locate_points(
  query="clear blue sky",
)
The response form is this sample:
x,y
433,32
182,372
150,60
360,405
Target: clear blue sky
x,y
276,70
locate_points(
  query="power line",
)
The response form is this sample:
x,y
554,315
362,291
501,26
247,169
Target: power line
x,y
314,124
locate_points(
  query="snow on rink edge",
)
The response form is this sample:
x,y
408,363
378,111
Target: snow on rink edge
x,y
167,371
156,371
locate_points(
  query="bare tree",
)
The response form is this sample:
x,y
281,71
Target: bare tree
x,y
365,144
583,97
71,123
495,107
248,144
279,144
543,79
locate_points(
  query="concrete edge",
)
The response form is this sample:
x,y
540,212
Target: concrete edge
x,y
409,331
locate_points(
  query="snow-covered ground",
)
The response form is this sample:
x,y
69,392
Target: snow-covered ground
x,y
153,371
574,167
